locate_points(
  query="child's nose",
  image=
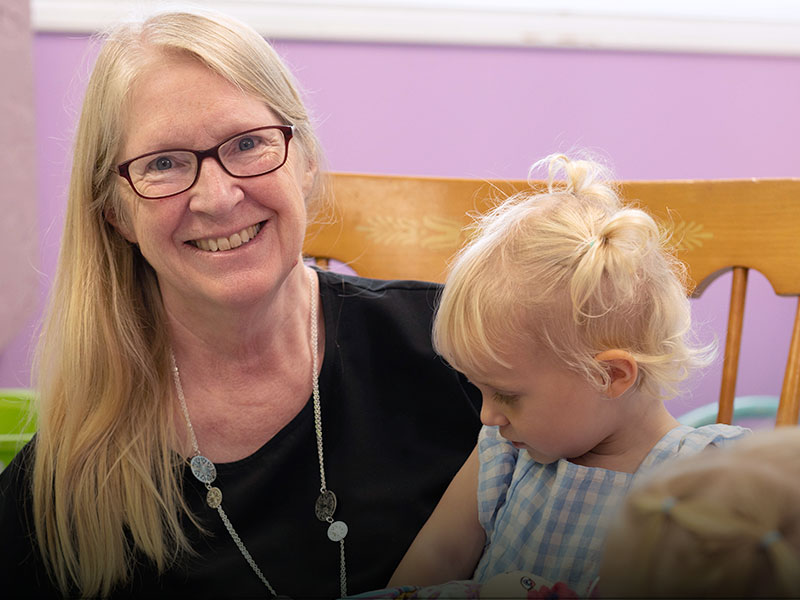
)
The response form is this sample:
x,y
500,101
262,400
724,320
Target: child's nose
x,y
490,415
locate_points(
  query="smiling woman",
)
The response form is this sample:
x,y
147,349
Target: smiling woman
x,y
202,392
178,202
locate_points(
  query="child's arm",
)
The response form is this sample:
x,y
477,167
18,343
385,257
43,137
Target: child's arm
x,y
449,545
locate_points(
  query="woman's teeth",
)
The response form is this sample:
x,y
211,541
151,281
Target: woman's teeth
x,y
227,243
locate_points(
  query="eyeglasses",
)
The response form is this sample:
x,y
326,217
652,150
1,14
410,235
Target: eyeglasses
x,y
170,172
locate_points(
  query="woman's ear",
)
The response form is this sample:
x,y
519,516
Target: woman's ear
x,y
118,224
622,371
309,176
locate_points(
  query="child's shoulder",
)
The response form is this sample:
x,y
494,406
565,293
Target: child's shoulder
x,y
717,435
684,440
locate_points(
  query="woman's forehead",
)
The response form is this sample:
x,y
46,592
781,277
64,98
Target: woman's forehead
x,y
186,104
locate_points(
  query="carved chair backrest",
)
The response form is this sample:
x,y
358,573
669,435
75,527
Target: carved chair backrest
x,y
398,227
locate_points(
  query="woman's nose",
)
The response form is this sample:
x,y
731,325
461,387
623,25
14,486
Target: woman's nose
x,y
215,191
490,415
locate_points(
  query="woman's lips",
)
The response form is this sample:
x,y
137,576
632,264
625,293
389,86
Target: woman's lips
x,y
222,244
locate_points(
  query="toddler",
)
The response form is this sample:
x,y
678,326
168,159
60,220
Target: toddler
x,y
570,315
724,524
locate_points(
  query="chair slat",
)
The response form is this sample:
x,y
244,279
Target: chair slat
x,y
322,262
733,344
789,407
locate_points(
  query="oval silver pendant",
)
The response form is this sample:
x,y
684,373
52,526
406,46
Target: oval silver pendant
x,y
214,497
337,531
325,506
203,469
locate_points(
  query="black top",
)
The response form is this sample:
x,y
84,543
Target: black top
x,y
397,425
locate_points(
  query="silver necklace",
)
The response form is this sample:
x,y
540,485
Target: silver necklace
x,y
205,471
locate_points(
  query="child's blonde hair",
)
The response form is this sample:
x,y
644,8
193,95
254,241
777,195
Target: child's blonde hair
x,y
725,523
572,271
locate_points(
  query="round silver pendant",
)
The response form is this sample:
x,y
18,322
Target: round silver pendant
x,y
337,531
203,469
325,506
214,497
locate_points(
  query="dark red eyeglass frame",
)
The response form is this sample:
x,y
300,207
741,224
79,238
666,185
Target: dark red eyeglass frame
x,y
213,152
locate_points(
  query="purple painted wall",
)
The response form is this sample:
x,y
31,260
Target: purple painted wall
x,y
490,113
18,226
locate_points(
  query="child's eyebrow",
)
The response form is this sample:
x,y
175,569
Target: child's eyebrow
x,y
496,388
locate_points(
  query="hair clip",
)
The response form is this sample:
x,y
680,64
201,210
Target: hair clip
x,y
770,538
667,504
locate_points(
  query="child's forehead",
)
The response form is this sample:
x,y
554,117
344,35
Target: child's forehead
x,y
491,383
485,370
499,374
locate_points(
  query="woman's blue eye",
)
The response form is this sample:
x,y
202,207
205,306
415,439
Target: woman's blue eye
x,y
246,143
163,163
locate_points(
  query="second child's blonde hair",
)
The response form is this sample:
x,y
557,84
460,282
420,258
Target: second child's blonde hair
x,y
571,271
724,523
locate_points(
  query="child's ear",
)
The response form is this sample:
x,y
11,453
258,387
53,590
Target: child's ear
x,y
622,370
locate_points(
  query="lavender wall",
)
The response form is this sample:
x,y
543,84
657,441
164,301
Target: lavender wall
x,y
491,112
18,201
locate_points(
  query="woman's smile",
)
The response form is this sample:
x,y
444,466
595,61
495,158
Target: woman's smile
x,y
236,240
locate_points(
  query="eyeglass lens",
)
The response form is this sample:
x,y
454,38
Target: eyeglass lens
x,y
173,171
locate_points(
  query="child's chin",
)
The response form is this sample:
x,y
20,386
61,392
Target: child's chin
x,y
540,458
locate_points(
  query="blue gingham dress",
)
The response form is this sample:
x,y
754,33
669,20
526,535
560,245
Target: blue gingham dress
x,y
551,520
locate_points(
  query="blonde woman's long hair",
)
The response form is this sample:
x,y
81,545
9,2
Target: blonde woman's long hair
x,y
106,477
724,523
570,270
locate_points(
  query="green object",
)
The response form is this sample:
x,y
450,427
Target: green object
x,y
17,424
744,407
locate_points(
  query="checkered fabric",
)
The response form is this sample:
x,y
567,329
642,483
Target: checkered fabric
x,y
551,520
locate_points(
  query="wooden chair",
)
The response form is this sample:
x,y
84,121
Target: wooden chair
x,y
394,227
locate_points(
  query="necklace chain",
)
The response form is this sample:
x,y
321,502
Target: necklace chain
x,y
205,471
315,387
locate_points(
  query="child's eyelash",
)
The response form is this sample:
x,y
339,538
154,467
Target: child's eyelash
x,y
504,398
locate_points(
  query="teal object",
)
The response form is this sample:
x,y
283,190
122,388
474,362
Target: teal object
x,y
744,407
17,423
